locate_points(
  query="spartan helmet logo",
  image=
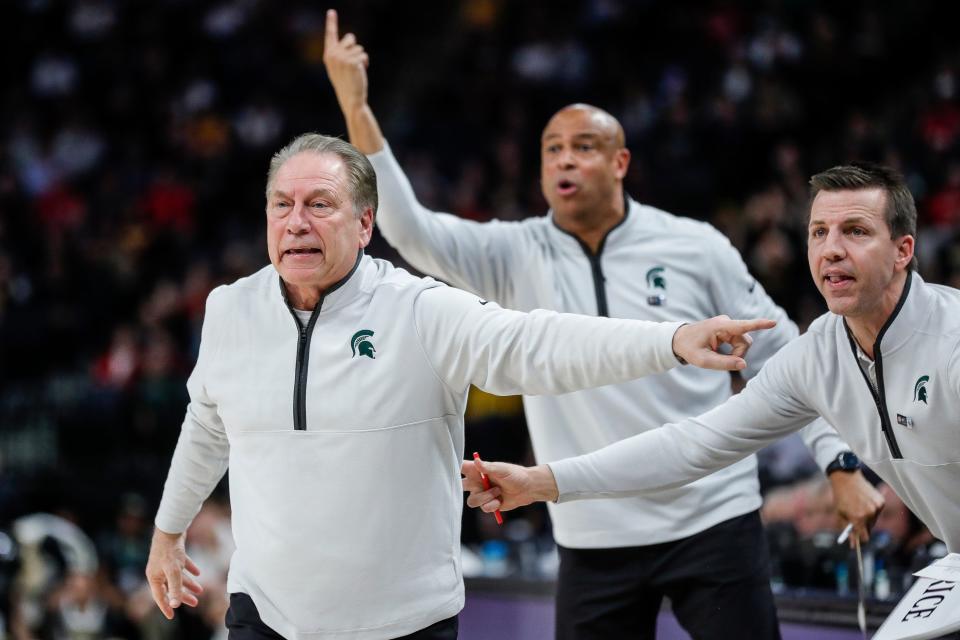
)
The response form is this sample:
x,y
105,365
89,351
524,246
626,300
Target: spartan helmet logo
x,y
920,389
655,279
360,344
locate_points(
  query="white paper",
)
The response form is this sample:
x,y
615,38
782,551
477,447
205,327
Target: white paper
x,y
930,609
946,568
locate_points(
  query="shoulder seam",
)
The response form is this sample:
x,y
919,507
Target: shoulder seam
x,y
416,330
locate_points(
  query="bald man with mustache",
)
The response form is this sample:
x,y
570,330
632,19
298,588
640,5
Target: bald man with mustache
x,y
599,252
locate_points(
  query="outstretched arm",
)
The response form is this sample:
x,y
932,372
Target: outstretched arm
x,y
674,455
543,352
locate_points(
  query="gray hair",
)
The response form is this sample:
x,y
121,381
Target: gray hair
x,y
361,177
901,213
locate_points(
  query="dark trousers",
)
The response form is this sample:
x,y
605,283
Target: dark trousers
x,y
244,623
718,582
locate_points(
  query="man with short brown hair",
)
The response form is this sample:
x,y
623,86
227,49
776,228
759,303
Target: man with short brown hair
x,y
883,365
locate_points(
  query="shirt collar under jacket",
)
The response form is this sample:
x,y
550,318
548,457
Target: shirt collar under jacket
x,y
342,291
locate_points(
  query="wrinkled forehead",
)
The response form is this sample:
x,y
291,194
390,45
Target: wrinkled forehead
x,y
584,120
843,205
309,167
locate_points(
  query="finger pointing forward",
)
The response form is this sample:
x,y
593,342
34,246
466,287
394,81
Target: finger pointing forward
x,y
698,343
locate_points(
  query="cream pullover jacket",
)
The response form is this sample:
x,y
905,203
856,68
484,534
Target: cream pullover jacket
x,y
344,437
907,429
653,266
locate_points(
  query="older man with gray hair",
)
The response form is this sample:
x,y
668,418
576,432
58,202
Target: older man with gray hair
x,y
328,371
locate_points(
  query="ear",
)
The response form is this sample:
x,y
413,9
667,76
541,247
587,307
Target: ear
x,y
905,246
621,162
366,226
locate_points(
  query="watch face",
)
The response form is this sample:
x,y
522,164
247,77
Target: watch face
x,y
848,460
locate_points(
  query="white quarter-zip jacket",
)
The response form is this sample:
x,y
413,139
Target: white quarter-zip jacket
x,y
653,266
907,430
344,437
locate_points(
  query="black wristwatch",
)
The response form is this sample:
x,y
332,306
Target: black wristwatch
x,y
846,461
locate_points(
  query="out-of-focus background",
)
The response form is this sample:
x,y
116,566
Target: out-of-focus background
x,y
134,143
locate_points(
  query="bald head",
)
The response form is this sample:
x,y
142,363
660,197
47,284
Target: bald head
x,y
605,124
583,161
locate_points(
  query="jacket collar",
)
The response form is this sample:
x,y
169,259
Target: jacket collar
x,y
342,291
570,242
910,313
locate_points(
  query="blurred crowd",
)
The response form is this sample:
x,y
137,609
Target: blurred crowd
x,y
134,145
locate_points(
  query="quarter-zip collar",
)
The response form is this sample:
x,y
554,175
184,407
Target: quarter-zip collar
x,y
596,268
574,244
335,295
910,313
897,330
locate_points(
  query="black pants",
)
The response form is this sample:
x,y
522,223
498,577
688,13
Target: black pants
x,y
718,582
244,623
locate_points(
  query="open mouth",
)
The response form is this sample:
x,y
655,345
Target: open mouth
x,y
301,251
838,280
566,188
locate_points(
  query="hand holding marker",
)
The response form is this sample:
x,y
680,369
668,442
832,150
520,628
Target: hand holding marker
x,y
486,486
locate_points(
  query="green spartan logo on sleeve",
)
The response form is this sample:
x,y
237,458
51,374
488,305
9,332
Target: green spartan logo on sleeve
x,y
920,389
360,344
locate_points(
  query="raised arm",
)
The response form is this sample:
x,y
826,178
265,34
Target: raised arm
x,y
477,257
346,63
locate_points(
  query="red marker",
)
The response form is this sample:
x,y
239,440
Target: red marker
x,y
486,486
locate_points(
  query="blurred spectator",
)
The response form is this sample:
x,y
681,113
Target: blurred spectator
x,y
259,125
118,365
54,75
901,540
124,549
169,202
210,545
77,610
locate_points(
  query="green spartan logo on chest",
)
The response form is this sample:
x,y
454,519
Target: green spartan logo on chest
x,y
360,344
656,279
920,389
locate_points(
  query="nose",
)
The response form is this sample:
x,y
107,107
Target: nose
x,y
297,223
833,248
565,158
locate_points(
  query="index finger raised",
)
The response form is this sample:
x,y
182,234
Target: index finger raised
x,y
332,29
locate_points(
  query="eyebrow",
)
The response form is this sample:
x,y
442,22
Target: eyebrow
x,y
316,192
854,219
590,135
